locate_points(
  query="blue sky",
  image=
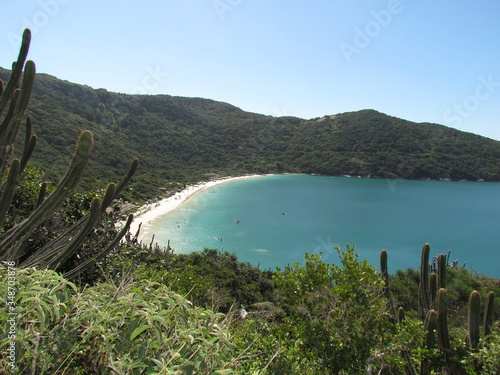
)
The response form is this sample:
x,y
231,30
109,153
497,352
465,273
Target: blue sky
x,y
424,61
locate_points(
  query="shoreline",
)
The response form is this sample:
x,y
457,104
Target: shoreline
x,y
148,213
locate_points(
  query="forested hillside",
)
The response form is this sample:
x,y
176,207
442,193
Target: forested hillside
x,y
182,139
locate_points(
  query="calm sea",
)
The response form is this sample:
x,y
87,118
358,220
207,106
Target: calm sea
x,y
272,221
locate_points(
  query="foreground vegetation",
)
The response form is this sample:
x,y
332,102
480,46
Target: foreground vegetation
x,y
315,318
79,296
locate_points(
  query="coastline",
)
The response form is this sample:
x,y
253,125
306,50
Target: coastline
x,y
146,214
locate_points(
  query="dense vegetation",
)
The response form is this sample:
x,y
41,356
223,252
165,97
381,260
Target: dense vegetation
x,y
127,308
315,318
181,140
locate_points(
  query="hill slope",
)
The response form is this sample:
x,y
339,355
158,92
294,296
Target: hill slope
x,y
181,139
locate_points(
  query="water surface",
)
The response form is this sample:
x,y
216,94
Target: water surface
x,y
271,221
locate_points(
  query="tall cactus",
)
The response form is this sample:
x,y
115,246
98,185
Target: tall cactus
x,y
430,325
397,316
385,276
424,287
442,327
13,104
441,271
384,271
474,319
433,288
488,314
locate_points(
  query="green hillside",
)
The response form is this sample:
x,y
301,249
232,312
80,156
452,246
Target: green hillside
x,y
182,140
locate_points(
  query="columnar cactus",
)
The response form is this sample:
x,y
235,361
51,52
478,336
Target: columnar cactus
x,y
442,316
385,276
424,288
13,242
474,319
441,271
433,288
430,325
488,314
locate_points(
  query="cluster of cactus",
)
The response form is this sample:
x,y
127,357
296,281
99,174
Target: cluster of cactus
x,y
433,306
433,265
13,242
433,298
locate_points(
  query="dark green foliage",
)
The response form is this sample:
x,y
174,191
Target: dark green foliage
x,y
211,279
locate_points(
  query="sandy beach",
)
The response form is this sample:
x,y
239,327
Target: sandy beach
x,y
148,213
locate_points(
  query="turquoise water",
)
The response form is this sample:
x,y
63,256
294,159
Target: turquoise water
x,y
272,221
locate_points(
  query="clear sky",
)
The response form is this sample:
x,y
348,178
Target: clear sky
x,y
421,60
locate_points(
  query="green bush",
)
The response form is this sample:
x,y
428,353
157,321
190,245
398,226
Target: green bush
x,y
135,327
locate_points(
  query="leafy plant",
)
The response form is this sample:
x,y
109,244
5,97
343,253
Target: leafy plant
x,y
134,327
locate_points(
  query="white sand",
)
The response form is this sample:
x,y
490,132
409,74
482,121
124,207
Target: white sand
x,y
148,213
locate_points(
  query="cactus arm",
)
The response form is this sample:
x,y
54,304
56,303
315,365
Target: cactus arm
x,y
29,145
474,319
59,257
442,311
10,187
424,290
11,244
433,288
88,263
10,113
488,313
59,250
385,277
41,194
11,124
430,325
384,271
6,149
16,71
12,129
128,176
442,271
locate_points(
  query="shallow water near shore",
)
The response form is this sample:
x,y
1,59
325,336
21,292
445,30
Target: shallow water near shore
x,y
272,221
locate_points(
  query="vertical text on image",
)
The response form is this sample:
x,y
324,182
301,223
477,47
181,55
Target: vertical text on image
x,y
11,313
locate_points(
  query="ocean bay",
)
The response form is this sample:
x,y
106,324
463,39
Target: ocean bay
x,y
272,221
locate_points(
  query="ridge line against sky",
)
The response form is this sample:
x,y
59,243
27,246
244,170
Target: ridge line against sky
x,y
421,61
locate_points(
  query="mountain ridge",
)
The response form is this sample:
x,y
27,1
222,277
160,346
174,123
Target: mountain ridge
x,y
181,140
